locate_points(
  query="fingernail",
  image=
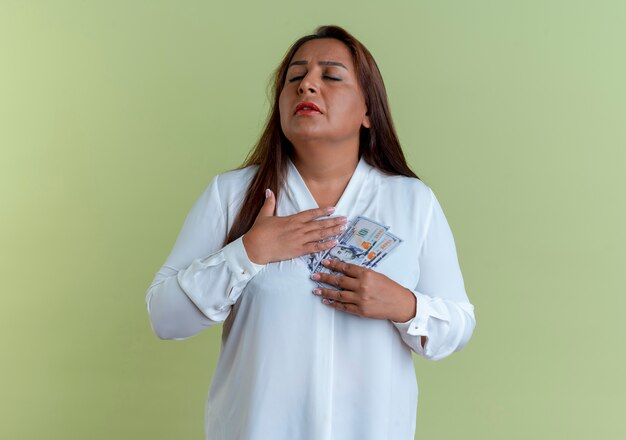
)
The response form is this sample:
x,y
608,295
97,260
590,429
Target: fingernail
x,y
330,209
268,192
325,261
317,292
326,301
342,228
315,276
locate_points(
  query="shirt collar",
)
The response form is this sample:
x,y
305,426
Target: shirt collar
x,y
296,197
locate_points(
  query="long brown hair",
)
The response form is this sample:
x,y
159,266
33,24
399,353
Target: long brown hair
x,y
378,146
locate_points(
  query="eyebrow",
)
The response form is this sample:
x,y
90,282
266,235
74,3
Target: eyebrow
x,y
321,63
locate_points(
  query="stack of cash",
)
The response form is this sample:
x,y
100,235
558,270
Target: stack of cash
x,y
365,243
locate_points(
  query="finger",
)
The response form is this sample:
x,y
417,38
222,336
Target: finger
x,y
322,233
338,280
318,246
352,270
267,210
346,296
311,214
316,225
344,307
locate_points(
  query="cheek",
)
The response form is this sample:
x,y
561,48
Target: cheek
x,y
281,102
352,106
282,107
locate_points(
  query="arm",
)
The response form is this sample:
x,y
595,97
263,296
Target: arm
x,y
201,279
444,319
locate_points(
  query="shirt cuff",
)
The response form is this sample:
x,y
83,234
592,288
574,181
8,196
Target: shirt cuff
x,y
238,261
417,326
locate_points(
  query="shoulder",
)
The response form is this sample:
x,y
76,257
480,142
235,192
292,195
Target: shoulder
x,y
406,195
230,187
408,188
235,179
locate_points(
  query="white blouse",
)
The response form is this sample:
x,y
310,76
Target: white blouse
x,y
291,367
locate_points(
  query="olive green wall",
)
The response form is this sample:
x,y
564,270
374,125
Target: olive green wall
x,y
114,115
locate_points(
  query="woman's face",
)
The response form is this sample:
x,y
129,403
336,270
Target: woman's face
x,y
321,72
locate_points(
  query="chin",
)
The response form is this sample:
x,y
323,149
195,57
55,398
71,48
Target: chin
x,y
303,136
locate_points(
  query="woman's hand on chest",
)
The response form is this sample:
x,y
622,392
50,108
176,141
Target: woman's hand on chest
x,y
272,238
365,292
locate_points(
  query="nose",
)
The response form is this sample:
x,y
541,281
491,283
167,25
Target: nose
x,y
307,85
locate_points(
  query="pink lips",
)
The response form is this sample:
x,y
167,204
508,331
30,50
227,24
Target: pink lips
x,y
306,108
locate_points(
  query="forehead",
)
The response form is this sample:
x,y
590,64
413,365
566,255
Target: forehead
x,y
324,49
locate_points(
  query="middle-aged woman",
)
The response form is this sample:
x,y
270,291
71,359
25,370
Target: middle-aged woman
x,y
316,352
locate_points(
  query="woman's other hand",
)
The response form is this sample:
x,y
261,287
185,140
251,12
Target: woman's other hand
x,y
365,292
272,238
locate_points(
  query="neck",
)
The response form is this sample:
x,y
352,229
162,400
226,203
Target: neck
x,y
322,167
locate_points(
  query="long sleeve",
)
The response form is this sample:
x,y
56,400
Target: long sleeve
x,y
201,279
444,314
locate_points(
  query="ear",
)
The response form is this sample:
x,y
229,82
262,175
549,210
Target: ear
x,y
366,120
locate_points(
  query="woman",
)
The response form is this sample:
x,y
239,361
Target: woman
x,y
322,355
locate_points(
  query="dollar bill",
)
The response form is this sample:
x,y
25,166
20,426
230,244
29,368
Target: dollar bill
x,y
353,247
365,243
381,249
313,259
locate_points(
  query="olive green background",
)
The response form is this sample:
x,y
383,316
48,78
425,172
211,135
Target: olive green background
x,y
114,115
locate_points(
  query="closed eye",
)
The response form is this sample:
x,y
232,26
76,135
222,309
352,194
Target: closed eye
x,y
295,78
